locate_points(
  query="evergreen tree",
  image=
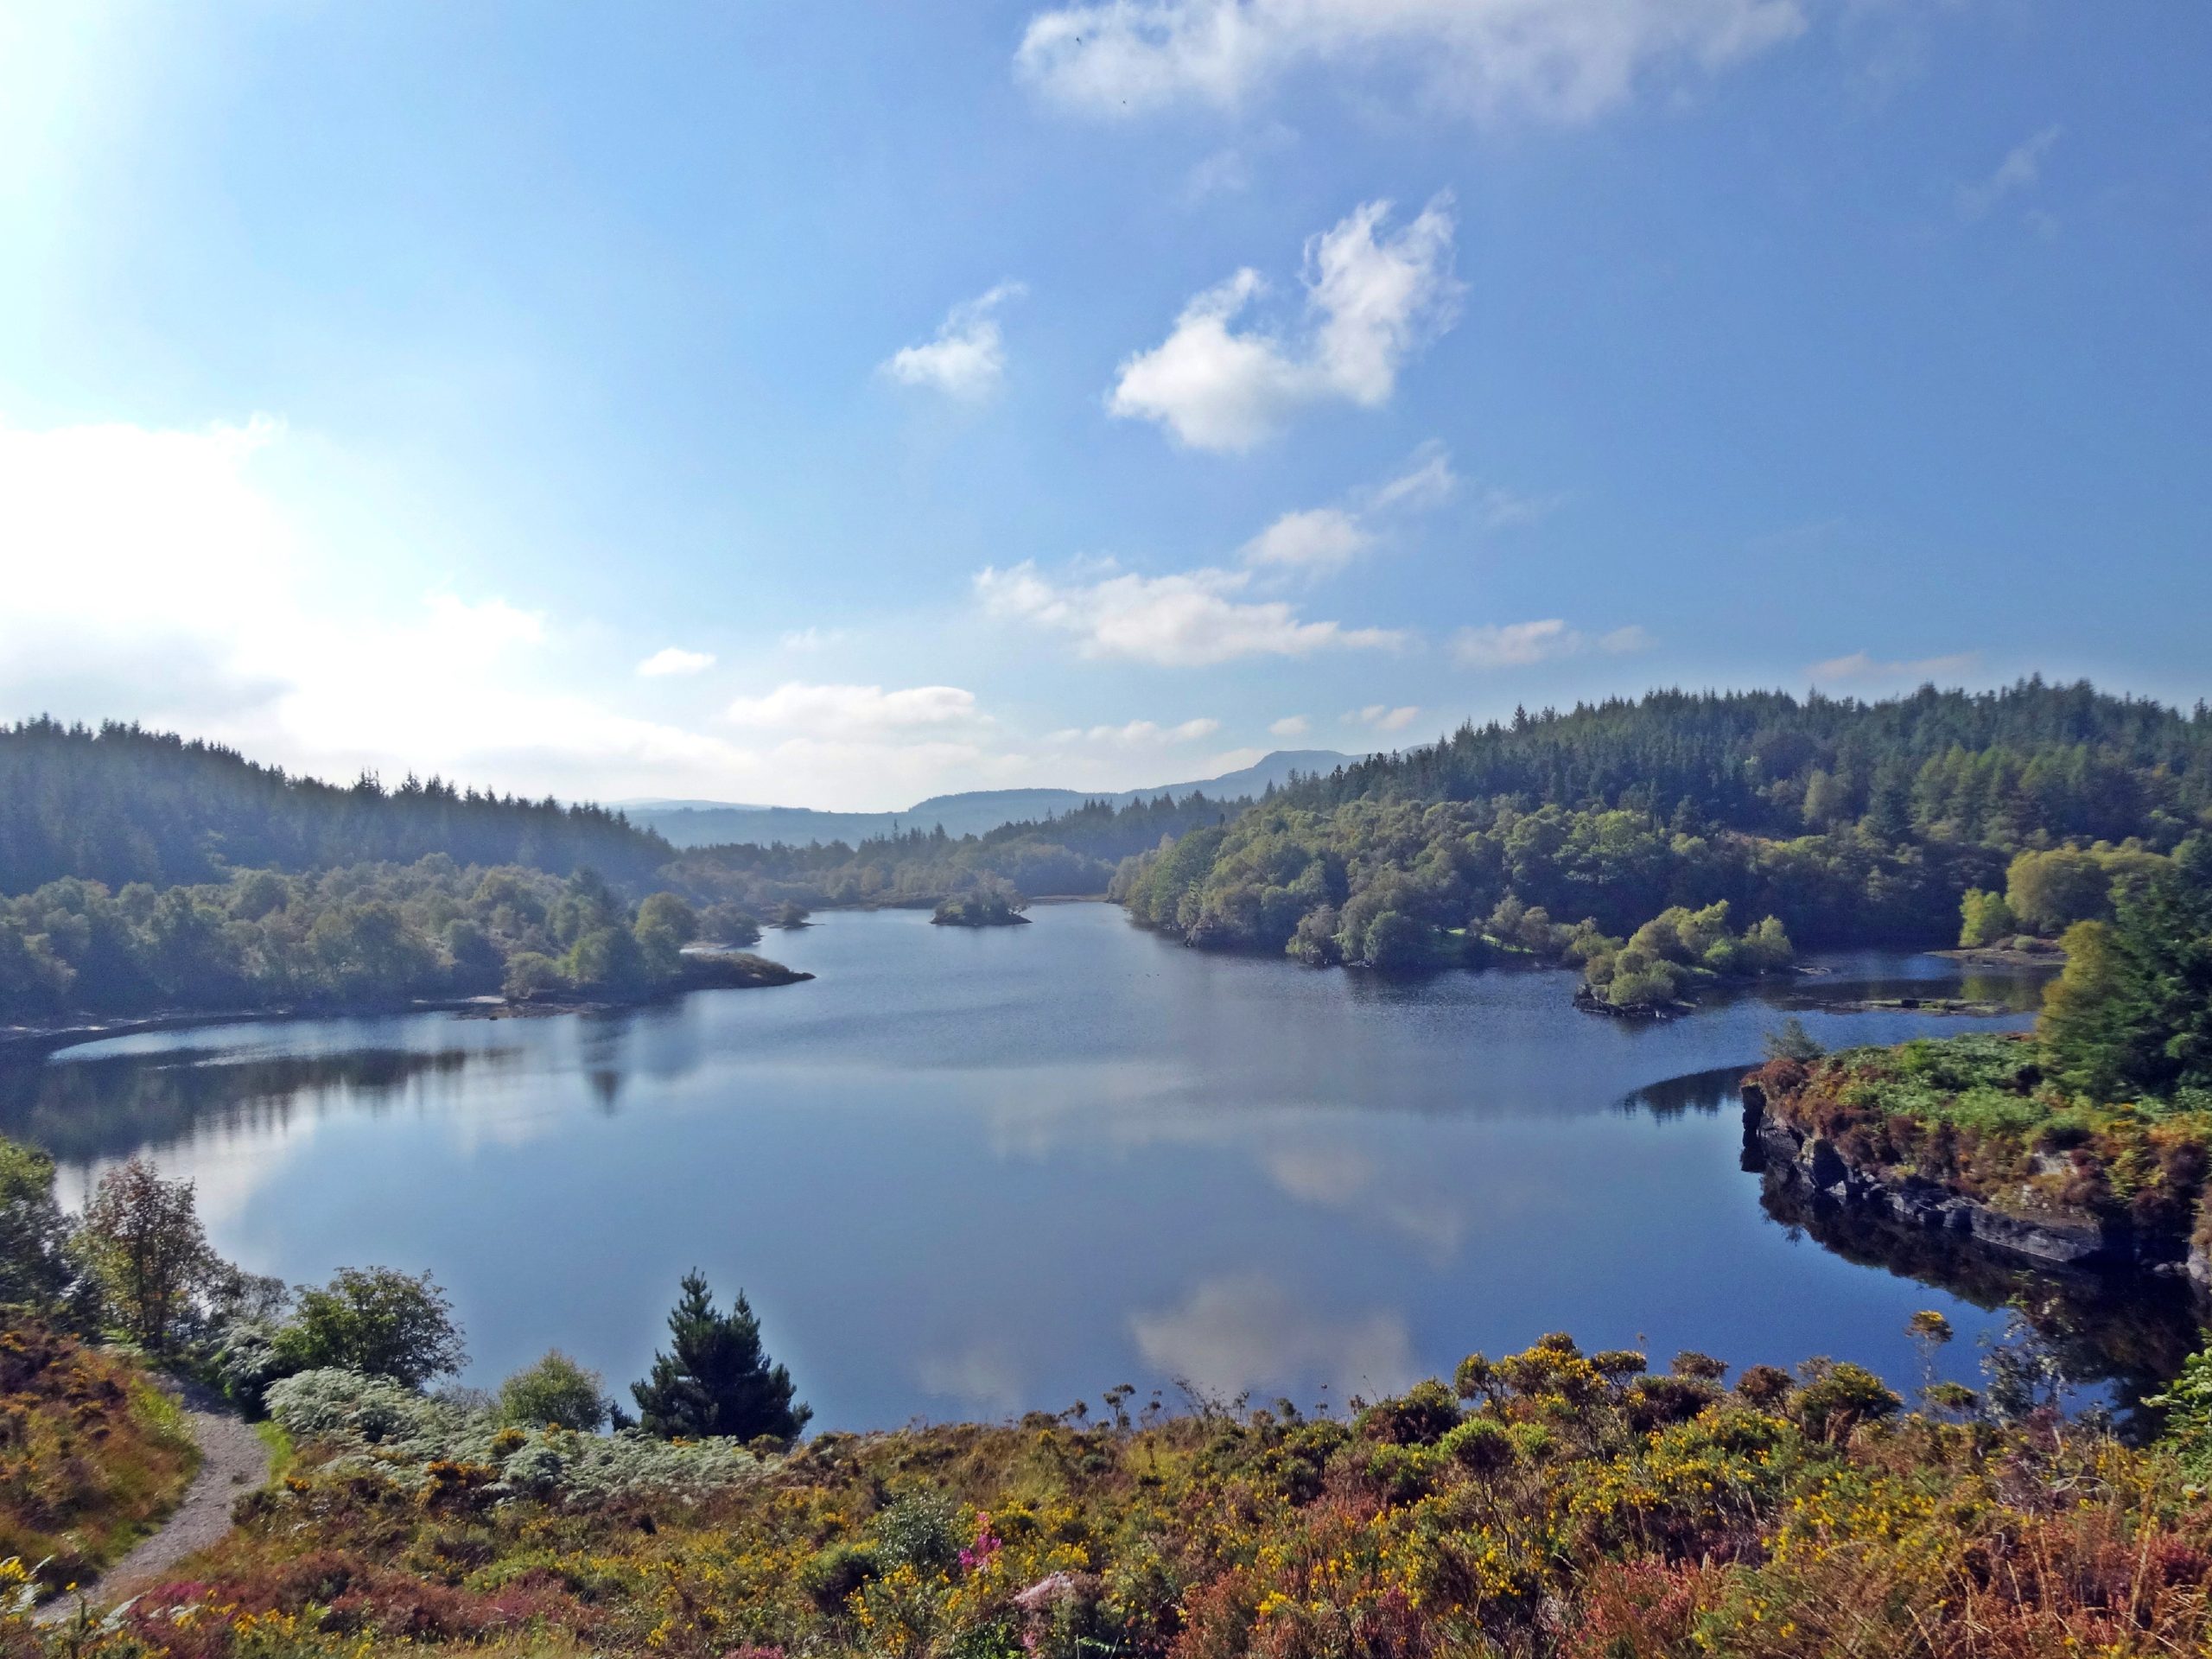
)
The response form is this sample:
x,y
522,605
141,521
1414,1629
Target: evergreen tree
x,y
2131,1015
717,1381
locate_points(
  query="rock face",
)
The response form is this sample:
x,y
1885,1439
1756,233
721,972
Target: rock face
x,y
1812,1165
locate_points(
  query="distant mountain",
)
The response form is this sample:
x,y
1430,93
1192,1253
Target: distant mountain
x,y
706,824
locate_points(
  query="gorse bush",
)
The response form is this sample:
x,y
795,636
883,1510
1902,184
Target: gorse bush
x,y
1554,1502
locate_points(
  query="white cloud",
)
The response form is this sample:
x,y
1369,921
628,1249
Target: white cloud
x,y
847,711
967,359
159,575
673,660
1502,509
1381,717
1246,1331
1292,725
2021,169
1428,482
1860,667
1319,541
1551,59
811,638
1369,304
1314,541
1138,734
1521,645
1191,618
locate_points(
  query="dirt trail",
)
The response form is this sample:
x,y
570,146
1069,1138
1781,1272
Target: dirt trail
x,y
232,1462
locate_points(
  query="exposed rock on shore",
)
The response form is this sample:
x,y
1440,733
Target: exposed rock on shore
x,y
1796,1155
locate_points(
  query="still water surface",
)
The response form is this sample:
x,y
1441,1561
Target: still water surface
x,y
978,1172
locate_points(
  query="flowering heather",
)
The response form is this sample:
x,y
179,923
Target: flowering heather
x,y
1550,1502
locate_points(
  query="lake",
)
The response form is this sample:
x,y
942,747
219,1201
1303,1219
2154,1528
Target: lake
x,y
966,1172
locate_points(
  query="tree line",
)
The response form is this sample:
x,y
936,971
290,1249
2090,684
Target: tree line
x,y
137,1264
1841,823
119,805
359,934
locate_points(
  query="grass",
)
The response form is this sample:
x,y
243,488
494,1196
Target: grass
x,y
1550,1505
92,1453
273,1435
1977,1115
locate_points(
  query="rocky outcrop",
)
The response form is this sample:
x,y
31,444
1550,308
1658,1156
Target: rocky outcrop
x,y
1812,1165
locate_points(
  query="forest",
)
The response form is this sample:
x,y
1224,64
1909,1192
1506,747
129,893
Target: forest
x,y
356,935
1655,844
1563,834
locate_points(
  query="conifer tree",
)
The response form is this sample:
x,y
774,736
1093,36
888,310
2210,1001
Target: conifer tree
x,y
717,1381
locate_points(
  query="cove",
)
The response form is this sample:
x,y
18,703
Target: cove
x,y
973,1172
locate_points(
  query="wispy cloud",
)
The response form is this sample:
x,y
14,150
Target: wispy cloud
x,y
1189,619
1502,509
1292,725
674,660
1381,717
1549,60
2020,170
844,711
967,358
1318,541
1372,299
1860,667
1521,644
1138,734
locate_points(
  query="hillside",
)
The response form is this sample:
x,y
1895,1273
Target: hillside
x,y
977,812
121,805
1563,834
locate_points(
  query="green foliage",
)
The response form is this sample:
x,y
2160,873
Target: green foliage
x,y
374,1424
2188,1406
143,1238
716,1380
122,805
35,1273
985,901
1791,1041
378,1321
2131,1014
554,1392
1985,918
1629,819
1578,1509
358,934
91,1453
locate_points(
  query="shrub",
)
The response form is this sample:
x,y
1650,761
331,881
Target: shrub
x,y
375,1321
554,1392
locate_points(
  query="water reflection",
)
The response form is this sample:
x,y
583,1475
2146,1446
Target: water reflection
x,y
998,1170
101,1107
2132,1330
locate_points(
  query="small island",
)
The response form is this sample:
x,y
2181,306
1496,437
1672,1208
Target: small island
x,y
988,903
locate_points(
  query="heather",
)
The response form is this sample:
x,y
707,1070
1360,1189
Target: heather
x,y
1551,1502
1981,1117
91,1452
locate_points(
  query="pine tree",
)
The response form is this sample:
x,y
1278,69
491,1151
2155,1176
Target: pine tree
x,y
718,1381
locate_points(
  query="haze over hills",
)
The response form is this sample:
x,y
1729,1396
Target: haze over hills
x,y
707,824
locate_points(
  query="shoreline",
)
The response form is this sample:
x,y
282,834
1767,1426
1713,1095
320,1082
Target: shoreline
x,y
25,1043
1809,1167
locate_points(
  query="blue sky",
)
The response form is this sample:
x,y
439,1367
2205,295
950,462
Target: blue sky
x,y
1093,395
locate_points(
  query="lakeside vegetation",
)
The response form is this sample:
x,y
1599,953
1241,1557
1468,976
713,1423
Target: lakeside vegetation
x,y
2100,1121
1550,1503
1846,823
1545,1502
360,935
987,902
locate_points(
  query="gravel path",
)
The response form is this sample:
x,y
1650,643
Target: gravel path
x,y
232,1462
